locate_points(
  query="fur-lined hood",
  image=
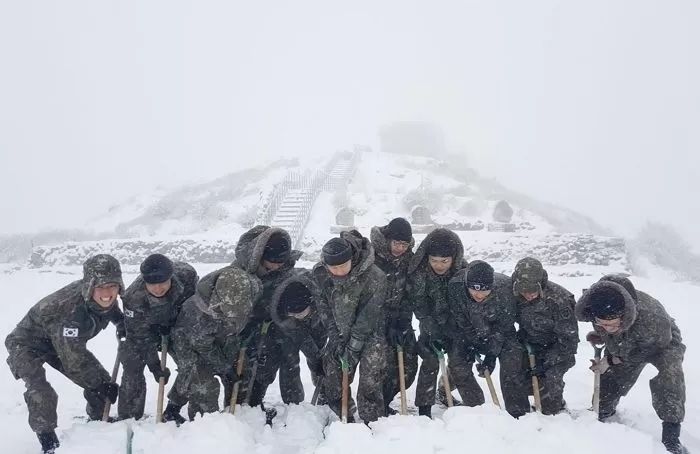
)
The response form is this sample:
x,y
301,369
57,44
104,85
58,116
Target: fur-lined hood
x,y
303,277
421,254
251,245
381,246
619,284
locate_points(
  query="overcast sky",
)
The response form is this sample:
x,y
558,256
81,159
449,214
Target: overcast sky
x,y
594,105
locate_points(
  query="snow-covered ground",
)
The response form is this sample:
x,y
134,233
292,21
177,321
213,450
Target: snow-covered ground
x,y
300,429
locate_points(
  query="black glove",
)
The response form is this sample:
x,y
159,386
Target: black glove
x,y
107,391
537,371
489,363
231,375
397,335
164,330
158,372
316,368
522,336
470,352
121,331
438,344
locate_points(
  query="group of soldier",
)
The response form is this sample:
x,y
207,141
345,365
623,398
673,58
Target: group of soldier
x,y
248,322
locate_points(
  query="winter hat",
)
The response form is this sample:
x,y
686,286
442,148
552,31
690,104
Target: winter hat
x,y
528,276
277,249
295,298
336,251
99,270
607,303
480,276
399,229
442,244
156,268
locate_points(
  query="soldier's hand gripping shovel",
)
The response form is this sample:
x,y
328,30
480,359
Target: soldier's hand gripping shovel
x,y
113,379
445,379
535,380
237,385
402,379
161,381
489,383
598,351
346,390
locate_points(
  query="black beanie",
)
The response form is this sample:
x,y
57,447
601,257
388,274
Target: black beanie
x,y
399,229
336,251
277,249
442,244
480,276
295,298
607,303
156,268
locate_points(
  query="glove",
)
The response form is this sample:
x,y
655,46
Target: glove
x,y
522,336
488,363
352,357
397,335
538,370
121,331
438,344
316,368
470,352
230,375
107,391
602,365
159,373
164,330
595,338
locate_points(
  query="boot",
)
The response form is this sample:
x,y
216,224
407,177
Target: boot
x,y
49,442
670,434
172,413
270,414
425,410
442,398
390,411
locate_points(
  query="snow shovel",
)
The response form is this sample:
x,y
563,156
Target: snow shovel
x,y
596,381
317,391
161,381
489,383
254,371
237,385
346,390
445,378
535,380
115,372
402,379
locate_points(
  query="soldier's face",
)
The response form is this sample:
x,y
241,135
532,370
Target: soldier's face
x,y
530,296
105,295
271,266
398,248
160,289
340,270
610,326
440,265
479,295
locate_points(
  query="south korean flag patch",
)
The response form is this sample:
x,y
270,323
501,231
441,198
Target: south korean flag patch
x,y
70,332
128,313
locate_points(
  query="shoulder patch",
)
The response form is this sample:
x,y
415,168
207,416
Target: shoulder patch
x,y
128,313
70,332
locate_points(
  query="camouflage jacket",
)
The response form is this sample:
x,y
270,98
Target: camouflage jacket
x,y
249,252
646,330
210,322
549,324
427,292
485,325
61,324
309,334
351,308
396,308
144,314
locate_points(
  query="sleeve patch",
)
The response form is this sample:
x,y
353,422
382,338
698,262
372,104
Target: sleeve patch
x,y
70,332
128,313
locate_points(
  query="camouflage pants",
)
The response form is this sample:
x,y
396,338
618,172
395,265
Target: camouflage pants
x,y
410,363
40,397
551,385
273,353
428,380
132,391
197,385
370,398
513,381
667,387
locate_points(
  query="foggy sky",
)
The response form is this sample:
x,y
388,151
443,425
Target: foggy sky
x,y
594,105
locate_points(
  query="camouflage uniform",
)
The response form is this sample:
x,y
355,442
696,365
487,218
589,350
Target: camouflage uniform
x,y
397,310
427,295
648,335
145,317
351,311
206,336
55,331
549,326
488,327
263,344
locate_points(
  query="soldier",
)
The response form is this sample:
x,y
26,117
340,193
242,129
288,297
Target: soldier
x,y
483,311
393,246
151,306
548,325
636,331
294,311
352,292
207,337
266,253
438,258
55,331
